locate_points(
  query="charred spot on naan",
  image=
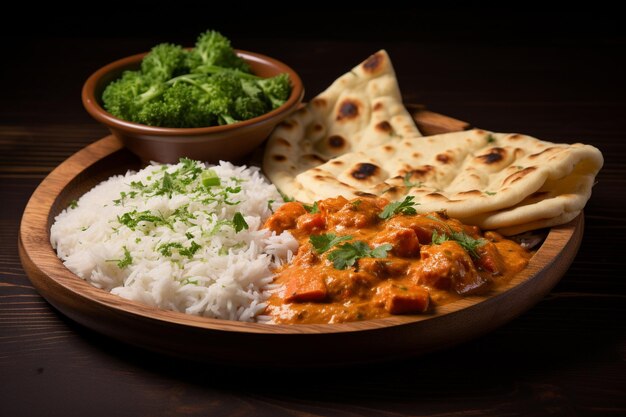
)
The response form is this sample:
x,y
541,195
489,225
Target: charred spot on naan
x,y
364,194
545,152
494,156
364,171
378,106
312,159
288,124
319,102
470,193
518,175
279,158
336,142
315,131
282,142
384,127
374,63
444,158
437,196
418,174
348,110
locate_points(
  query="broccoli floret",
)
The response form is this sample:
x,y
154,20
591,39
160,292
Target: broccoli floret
x,y
212,48
276,89
249,107
119,98
164,62
174,109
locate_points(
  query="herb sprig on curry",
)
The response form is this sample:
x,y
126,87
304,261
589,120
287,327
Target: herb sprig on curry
x,y
369,258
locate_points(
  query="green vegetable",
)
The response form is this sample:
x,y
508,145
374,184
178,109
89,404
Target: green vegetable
x,y
407,182
210,178
312,209
399,207
324,242
239,223
347,254
126,260
133,218
466,241
209,85
166,249
73,204
490,138
286,198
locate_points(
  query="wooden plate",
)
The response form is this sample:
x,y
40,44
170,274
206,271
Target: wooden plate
x,y
262,344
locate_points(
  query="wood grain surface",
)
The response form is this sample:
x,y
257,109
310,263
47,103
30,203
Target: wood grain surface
x,y
564,357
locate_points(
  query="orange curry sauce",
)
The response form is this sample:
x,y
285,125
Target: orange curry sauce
x,y
414,275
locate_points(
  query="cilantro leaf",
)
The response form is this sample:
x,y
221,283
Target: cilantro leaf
x,y
463,239
190,251
239,223
286,198
324,242
407,182
399,207
347,254
312,209
126,260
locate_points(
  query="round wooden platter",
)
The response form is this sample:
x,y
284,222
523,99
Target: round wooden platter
x,y
239,343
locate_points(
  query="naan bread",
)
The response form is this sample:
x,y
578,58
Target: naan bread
x,y
360,110
506,182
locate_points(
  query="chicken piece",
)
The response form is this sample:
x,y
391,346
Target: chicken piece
x,y
448,267
403,240
285,218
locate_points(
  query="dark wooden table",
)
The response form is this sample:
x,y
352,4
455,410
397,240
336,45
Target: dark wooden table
x,y
566,356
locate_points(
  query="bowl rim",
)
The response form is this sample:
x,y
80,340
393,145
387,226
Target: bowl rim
x,y
93,107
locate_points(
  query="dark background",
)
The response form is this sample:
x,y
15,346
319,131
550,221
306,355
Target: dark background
x,y
555,74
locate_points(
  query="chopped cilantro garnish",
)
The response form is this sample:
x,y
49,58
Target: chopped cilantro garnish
x,y
490,193
324,242
210,178
286,198
133,218
490,138
166,249
466,241
399,207
126,260
407,182
239,223
312,209
73,204
347,254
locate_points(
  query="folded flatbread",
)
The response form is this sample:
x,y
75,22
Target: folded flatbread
x,y
506,182
360,110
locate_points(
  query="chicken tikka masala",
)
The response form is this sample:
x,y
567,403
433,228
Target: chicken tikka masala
x,y
369,258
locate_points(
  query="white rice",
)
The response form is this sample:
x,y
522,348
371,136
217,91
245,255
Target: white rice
x,y
227,277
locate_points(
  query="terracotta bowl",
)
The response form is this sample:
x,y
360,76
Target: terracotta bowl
x,y
229,142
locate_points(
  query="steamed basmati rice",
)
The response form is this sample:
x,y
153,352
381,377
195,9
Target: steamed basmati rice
x,y
172,236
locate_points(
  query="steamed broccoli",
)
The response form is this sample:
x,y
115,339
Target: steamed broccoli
x,y
209,85
212,48
163,62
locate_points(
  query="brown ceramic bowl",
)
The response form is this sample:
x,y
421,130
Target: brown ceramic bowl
x,y
162,144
